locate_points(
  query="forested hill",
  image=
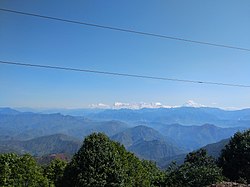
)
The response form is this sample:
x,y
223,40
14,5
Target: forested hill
x,y
43,134
46,145
24,126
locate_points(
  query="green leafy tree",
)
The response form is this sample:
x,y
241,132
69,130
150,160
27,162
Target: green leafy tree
x,y
95,164
54,171
198,169
235,158
102,162
156,176
135,172
20,171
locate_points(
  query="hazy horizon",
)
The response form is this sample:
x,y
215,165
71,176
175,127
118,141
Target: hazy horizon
x,y
121,105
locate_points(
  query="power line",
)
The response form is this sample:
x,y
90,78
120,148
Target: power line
x,y
127,30
122,74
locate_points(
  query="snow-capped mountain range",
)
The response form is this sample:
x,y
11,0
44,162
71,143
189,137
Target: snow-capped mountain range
x,y
135,106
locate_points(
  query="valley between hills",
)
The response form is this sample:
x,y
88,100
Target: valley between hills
x,y
162,135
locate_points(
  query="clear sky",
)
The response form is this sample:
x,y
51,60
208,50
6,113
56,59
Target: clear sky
x,y
33,40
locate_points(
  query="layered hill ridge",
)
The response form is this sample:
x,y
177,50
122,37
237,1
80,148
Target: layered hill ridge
x,y
147,143
57,143
181,115
24,126
154,150
214,149
146,132
194,137
8,111
136,134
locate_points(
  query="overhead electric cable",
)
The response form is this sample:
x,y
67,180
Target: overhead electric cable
x,y
121,74
127,30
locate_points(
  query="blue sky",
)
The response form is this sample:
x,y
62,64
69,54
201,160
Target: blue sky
x,y
38,41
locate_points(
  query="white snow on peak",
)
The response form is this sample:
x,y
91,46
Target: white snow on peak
x,y
136,106
119,105
191,103
100,105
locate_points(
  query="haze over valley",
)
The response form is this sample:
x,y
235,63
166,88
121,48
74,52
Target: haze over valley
x,y
157,134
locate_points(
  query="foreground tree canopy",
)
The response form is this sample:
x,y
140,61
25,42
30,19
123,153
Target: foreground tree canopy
x,y
20,171
54,172
199,169
102,162
235,158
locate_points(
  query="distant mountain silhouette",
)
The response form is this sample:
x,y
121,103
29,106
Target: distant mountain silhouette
x,y
24,126
181,115
147,143
214,149
194,137
45,145
8,111
136,134
154,150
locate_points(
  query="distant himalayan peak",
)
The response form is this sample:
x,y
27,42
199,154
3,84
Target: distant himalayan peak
x,y
134,106
191,103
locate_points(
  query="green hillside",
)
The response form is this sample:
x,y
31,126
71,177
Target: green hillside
x,y
41,146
